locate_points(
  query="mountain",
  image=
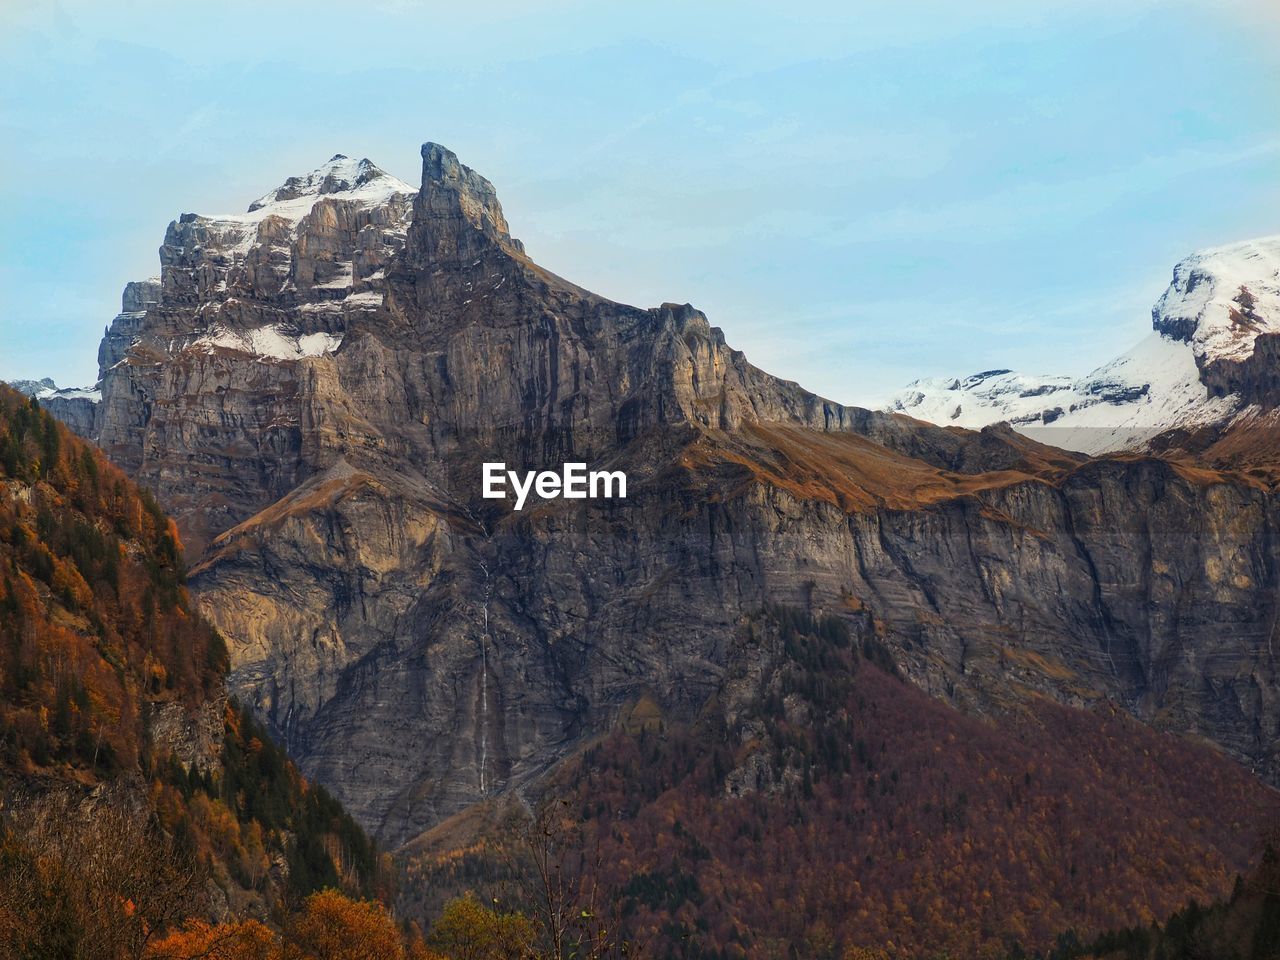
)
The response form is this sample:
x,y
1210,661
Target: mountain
x,y
31,388
276,284
313,394
352,474
1205,363
125,774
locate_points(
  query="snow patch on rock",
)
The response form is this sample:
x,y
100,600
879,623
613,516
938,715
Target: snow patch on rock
x,y
272,342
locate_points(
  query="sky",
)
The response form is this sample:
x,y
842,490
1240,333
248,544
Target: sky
x,y
859,194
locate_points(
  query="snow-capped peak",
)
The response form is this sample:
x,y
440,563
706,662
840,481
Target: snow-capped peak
x,y
339,179
1219,302
1222,298
34,388
46,389
339,175
312,252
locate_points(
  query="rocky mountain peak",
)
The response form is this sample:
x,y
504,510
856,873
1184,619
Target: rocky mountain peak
x,y
456,215
139,295
1223,298
34,388
339,174
448,185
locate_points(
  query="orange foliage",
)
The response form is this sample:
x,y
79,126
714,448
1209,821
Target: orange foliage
x,y
198,940
94,617
334,927
329,926
864,814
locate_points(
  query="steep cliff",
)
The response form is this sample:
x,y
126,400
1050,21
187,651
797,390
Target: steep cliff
x,y
208,378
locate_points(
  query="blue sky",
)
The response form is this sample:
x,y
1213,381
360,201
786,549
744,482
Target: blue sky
x,y
858,193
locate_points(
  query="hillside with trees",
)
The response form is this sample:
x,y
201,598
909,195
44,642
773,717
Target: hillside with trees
x,y
1243,926
825,808
134,795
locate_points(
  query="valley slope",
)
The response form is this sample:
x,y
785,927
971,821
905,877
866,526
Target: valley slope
x,y
126,776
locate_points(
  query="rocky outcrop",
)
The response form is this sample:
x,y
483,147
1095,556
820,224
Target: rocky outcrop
x,y
319,381
78,407
193,737
139,296
1255,379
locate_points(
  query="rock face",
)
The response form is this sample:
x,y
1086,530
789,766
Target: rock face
x,y
78,407
139,296
1210,360
318,382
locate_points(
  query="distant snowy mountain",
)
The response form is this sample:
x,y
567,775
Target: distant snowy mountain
x,y
33,387
75,406
1195,368
46,389
1221,300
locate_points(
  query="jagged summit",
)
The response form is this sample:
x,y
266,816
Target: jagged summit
x,y
34,388
456,215
448,184
338,175
280,282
